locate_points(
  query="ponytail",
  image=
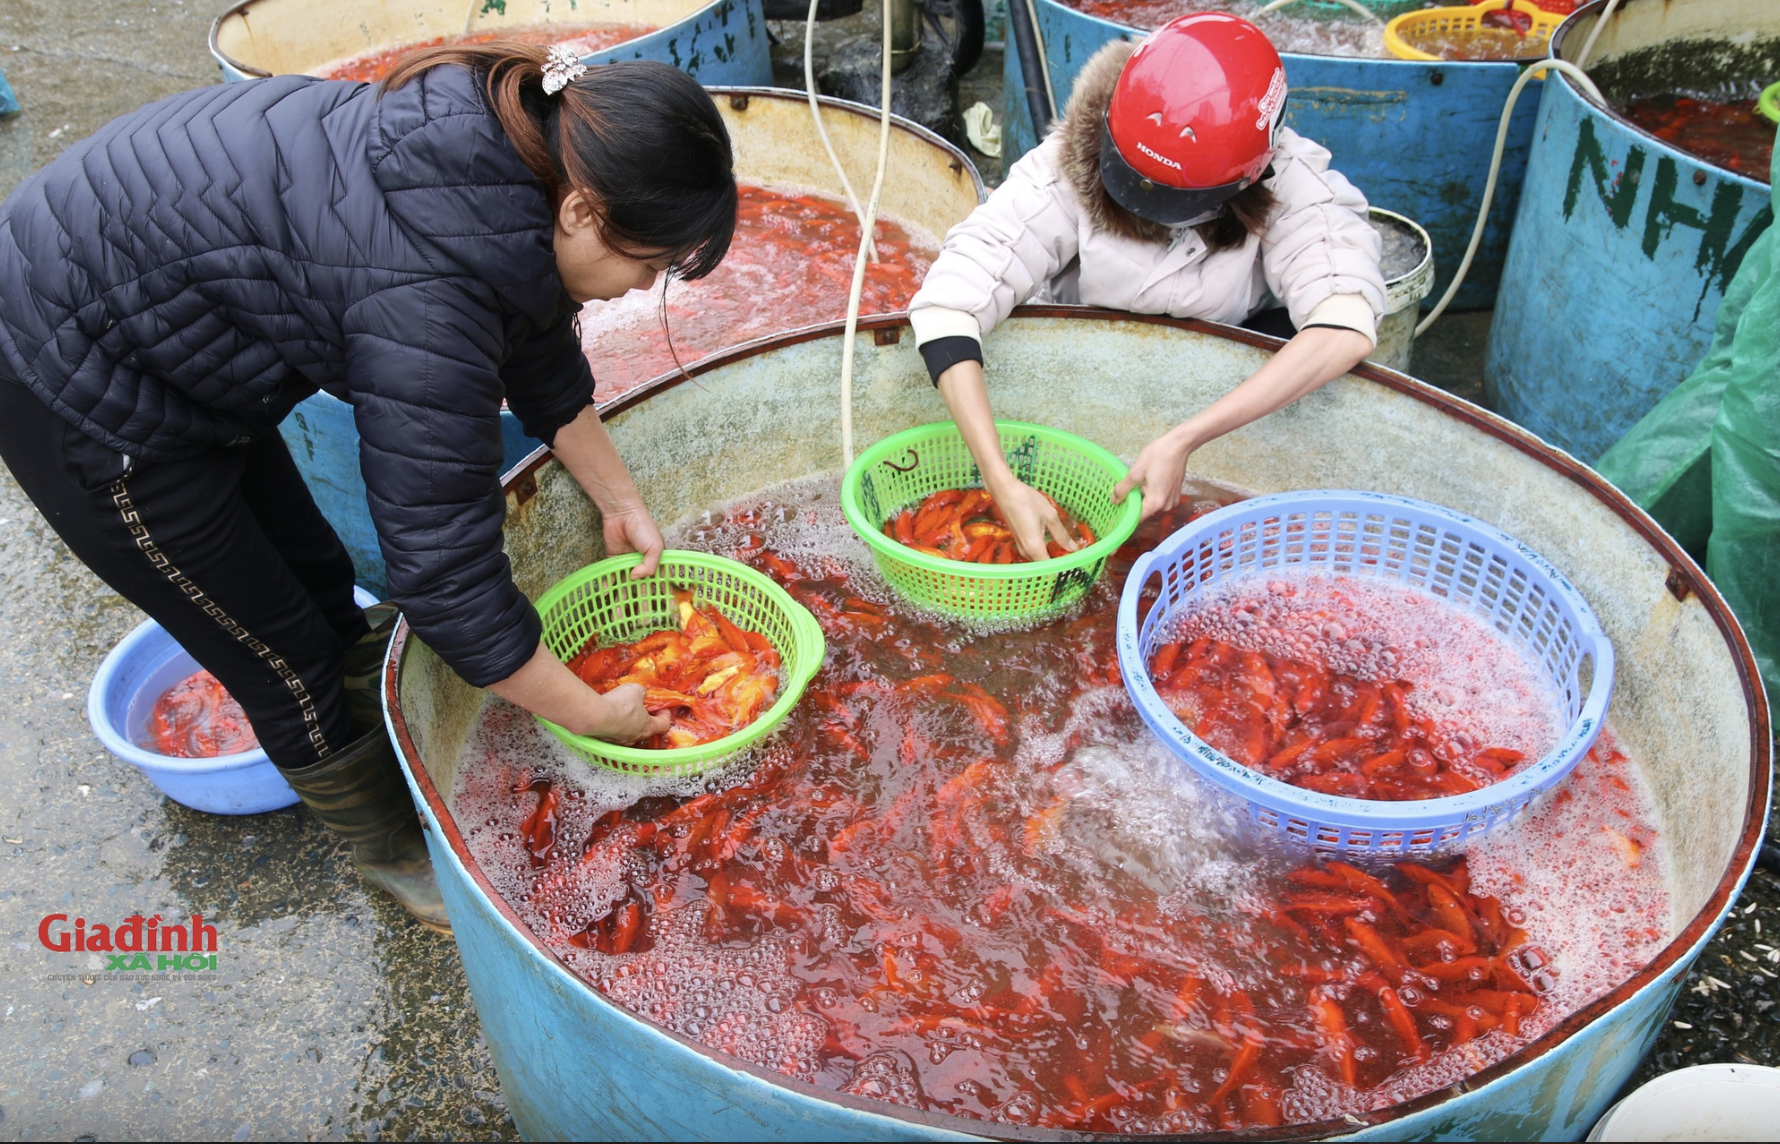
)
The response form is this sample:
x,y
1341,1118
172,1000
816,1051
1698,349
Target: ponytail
x,y
641,139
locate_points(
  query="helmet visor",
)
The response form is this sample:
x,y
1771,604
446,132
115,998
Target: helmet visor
x,y
1148,199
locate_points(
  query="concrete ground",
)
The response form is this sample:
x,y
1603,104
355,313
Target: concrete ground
x,y
329,1014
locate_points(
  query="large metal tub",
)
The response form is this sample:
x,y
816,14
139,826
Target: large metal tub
x,y
775,143
1415,137
1688,702
718,41
1623,245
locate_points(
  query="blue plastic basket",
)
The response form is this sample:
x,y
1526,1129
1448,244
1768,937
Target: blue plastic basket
x,y
1446,554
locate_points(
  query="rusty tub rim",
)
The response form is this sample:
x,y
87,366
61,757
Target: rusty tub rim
x,y
1685,578
740,95
1654,142
251,72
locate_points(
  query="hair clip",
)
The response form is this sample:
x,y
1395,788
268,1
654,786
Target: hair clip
x,y
561,67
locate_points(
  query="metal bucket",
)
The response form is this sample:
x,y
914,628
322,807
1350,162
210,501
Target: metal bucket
x,y
1623,245
775,142
1414,137
1408,277
1688,701
717,41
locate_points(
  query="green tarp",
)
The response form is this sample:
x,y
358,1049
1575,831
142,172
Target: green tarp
x,y
1706,461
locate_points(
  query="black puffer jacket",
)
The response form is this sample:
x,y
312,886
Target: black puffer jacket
x,y
181,279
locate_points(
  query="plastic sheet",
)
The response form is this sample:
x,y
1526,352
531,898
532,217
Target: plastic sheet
x,y
1706,460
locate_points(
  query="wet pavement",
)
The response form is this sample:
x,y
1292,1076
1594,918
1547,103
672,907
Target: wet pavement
x,y
329,1014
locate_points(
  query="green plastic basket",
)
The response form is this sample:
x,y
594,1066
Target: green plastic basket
x,y
603,600
1769,103
899,471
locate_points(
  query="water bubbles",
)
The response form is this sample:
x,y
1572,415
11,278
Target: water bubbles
x,y
887,1076
1020,1108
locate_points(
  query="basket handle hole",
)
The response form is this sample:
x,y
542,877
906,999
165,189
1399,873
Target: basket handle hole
x,y
1585,675
1146,599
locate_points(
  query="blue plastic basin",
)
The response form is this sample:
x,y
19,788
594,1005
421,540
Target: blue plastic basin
x,y
137,672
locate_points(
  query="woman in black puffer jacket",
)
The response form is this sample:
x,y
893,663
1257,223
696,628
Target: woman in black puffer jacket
x,y
172,286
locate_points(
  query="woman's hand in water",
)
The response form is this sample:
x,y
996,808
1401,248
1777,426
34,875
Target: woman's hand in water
x,y
1159,471
1026,510
1312,358
1031,517
547,688
625,719
634,531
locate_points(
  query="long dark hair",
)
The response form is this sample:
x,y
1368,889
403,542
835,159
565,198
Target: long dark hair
x,y
643,140
1248,213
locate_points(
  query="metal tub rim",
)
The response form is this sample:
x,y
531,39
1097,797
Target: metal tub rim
x,y
746,92
1133,30
226,62
1656,143
1685,578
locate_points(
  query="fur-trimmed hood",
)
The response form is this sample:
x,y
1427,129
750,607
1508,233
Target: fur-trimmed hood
x,y
1050,231
1079,137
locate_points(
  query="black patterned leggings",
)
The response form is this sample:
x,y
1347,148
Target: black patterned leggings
x,y
227,551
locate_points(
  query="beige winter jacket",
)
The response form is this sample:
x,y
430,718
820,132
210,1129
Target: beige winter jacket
x,y
1050,233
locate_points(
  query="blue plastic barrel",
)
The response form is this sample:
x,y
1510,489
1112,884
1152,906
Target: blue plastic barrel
x,y
1415,137
324,442
720,42
1623,246
132,677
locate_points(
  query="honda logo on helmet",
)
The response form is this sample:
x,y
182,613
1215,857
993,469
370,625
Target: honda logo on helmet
x,y
1162,159
1273,100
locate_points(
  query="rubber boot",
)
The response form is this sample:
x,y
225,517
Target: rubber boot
x,y
364,668
359,794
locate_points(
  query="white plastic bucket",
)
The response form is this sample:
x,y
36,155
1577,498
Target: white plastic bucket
x,y
137,672
1404,290
1706,1102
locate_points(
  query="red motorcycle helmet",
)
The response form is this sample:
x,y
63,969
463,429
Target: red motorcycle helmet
x,y
1192,119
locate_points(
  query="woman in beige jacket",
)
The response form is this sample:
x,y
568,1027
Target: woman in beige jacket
x,y
1168,188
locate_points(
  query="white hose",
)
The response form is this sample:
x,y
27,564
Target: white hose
x,y
1044,60
809,87
1354,4
1594,33
869,222
1489,187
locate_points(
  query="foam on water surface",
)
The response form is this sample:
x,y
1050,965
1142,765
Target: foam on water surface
x,y
1297,28
1479,688
904,900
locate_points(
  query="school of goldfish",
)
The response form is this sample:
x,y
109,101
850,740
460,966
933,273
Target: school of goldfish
x,y
197,719
1304,724
711,677
915,894
967,525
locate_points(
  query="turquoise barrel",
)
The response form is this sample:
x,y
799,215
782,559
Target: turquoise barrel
x,y
574,1065
775,144
717,41
1623,245
1414,136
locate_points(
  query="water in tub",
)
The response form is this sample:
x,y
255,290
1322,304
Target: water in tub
x,y
790,265
1306,28
965,878
582,39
